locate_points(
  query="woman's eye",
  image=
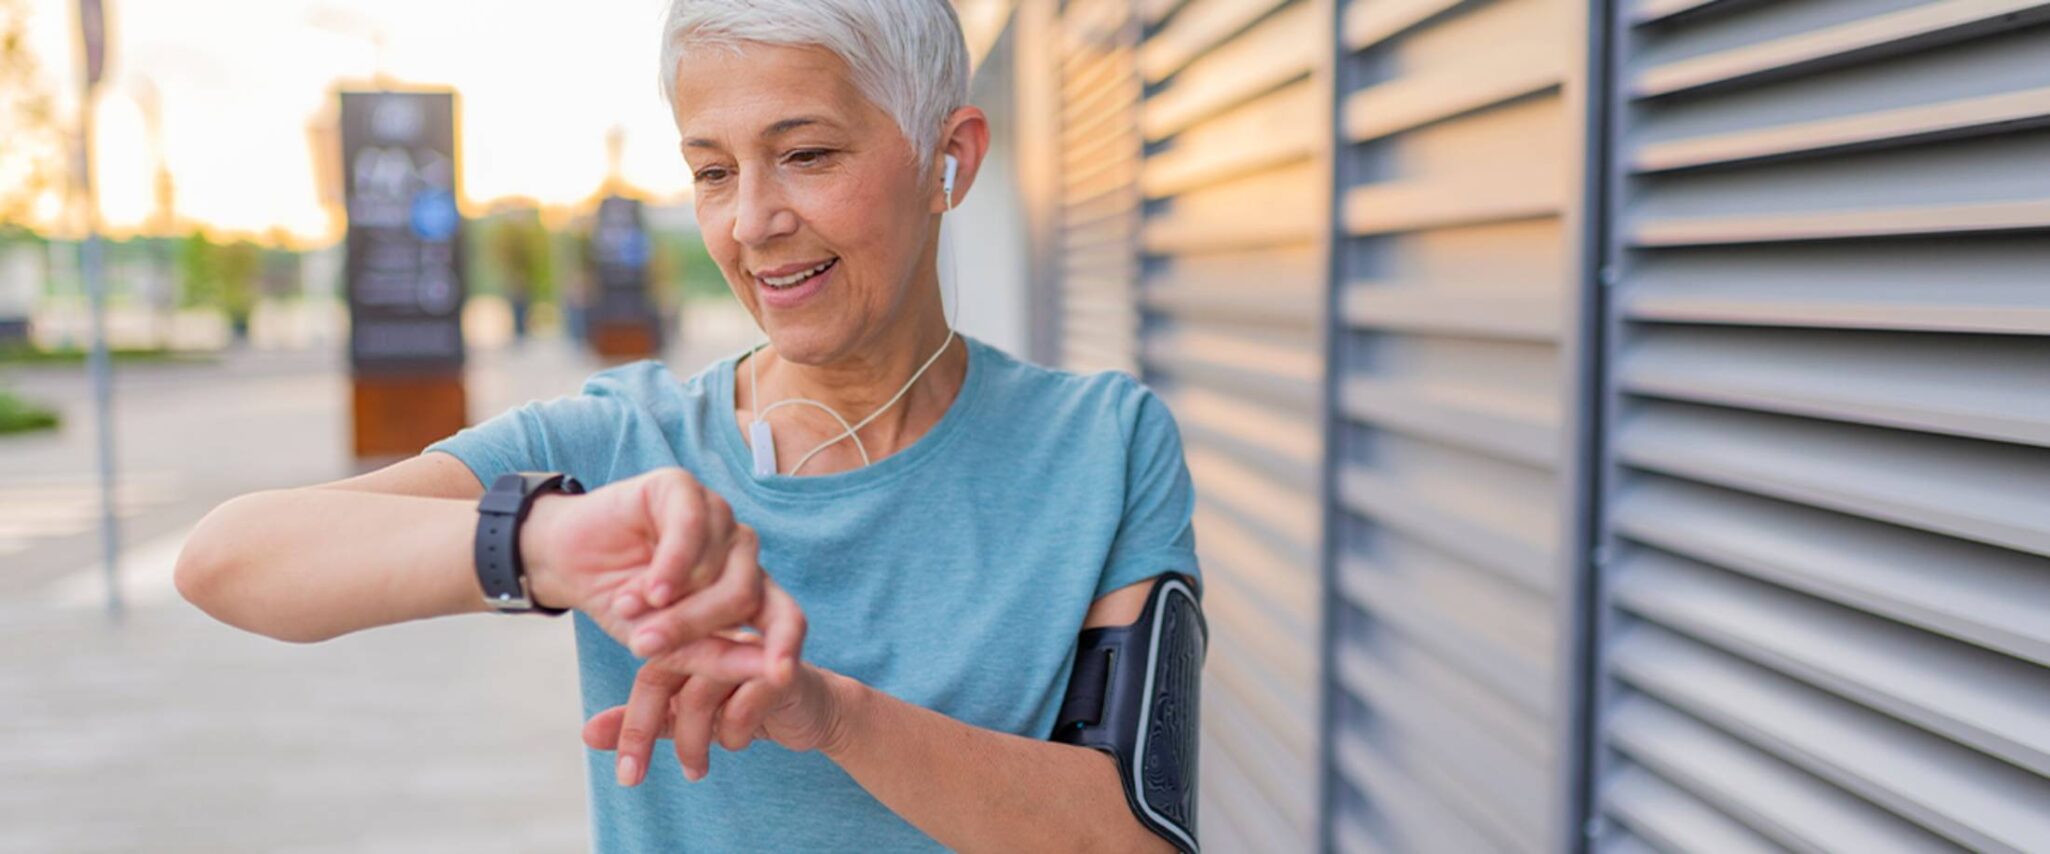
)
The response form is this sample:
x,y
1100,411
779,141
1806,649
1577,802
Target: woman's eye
x,y
807,156
710,174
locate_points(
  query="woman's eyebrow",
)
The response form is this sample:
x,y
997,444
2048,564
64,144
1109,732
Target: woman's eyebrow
x,y
793,123
772,131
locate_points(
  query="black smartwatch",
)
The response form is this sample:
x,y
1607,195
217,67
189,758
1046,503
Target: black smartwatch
x,y
501,511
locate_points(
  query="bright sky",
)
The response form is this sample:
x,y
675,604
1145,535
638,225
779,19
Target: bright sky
x,y
539,83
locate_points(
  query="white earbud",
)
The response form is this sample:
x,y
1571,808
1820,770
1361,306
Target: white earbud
x,y
947,181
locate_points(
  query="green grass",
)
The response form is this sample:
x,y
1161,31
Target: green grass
x,y
22,355
21,416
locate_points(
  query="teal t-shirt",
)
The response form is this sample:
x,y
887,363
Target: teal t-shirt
x,y
953,574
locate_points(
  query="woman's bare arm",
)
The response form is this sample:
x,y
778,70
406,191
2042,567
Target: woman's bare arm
x,y
312,563
316,562
975,789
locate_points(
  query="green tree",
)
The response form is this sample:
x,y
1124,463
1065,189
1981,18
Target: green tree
x,y
241,265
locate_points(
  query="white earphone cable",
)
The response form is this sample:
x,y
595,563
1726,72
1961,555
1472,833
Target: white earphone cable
x,y
852,431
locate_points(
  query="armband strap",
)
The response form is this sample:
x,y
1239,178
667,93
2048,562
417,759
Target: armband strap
x,y
1134,695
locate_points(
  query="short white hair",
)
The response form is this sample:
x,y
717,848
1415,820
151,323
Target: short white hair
x,y
907,56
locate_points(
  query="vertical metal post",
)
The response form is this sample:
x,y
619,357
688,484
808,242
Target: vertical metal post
x,y
92,32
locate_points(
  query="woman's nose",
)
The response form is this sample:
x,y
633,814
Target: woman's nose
x,y
763,213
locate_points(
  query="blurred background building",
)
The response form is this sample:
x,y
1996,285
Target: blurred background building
x,y
1617,426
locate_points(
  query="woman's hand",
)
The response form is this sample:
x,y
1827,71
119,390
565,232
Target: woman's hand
x,y
657,560
734,687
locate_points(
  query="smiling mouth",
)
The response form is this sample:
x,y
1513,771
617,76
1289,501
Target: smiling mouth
x,y
797,278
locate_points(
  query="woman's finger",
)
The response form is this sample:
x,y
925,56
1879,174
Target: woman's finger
x,y
783,627
601,732
742,715
734,599
715,658
646,710
692,726
691,524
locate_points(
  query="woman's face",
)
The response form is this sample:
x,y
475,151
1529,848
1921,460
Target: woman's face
x,y
810,199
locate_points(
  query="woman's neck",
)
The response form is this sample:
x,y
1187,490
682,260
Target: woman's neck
x,y
855,388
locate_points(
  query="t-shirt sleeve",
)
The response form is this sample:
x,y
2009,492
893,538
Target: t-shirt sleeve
x,y
570,434
1156,534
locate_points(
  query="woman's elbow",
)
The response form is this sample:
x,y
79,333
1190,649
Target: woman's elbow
x,y
212,575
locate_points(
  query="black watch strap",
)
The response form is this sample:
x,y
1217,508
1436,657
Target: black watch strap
x,y
500,571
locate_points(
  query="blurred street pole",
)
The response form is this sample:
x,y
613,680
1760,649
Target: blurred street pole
x,y
92,30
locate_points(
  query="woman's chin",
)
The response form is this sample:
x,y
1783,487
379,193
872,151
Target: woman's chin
x,y
805,343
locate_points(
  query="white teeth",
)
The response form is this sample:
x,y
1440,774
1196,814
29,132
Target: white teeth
x,y
794,278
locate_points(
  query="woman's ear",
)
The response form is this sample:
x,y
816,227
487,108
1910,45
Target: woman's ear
x,y
963,145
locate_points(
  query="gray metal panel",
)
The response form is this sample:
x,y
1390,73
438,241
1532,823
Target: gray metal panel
x,y
1454,446
1828,505
1234,195
1097,192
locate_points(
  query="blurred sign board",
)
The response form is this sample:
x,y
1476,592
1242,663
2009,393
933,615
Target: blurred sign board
x,y
403,268
621,319
404,265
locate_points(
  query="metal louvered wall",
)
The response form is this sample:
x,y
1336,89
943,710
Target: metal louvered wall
x,y
1681,369
1099,185
1458,292
1235,195
1828,502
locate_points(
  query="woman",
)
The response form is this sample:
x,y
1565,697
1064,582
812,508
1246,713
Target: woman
x,y
934,564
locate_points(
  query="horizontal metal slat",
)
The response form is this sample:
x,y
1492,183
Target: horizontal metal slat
x,y
1245,808
1475,756
2003,113
1909,29
1388,592
1618,840
1151,11
1381,499
1993,493
1981,387
1932,220
1650,11
1436,95
1413,810
1384,644
1885,295
1280,513
1419,308
1966,796
1198,28
1276,207
1484,422
1282,710
1248,370
1674,820
1285,308
1283,446
1267,56
1369,23
1266,133
1265,763
1285,713
1988,596
1775,799
1417,204
1274,639
1982,699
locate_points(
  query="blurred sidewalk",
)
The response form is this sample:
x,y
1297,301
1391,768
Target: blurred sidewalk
x,y
171,732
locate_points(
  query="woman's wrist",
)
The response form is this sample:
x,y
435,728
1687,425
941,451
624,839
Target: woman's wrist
x,y
849,705
536,555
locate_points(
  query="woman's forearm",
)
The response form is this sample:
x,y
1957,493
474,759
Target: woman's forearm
x,y
311,564
975,789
